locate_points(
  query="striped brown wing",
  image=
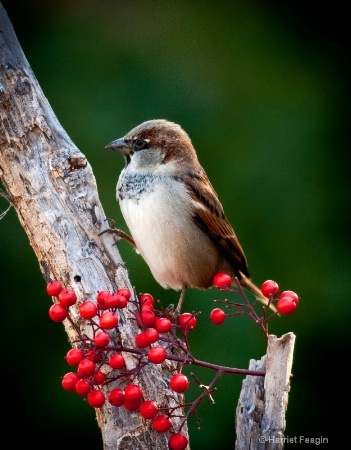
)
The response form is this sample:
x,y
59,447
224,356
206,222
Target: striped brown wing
x,y
209,215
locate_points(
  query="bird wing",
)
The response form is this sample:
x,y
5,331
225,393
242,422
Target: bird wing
x,y
209,215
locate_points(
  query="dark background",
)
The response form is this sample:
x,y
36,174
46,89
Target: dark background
x,y
263,89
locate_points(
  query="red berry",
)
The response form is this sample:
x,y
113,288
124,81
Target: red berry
x,y
101,299
108,320
156,355
94,356
121,301
291,294
98,378
179,383
147,299
67,297
162,423
187,322
286,306
133,392
53,288
217,316
85,368
74,356
142,340
178,442
96,398
69,381
109,301
88,310
117,361
116,397
146,318
269,288
151,335
82,387
58,312
221,280
125,292
102,339
132,405
116,301
148,409
163,325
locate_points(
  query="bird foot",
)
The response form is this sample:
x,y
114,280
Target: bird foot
x,y
172,314
121,234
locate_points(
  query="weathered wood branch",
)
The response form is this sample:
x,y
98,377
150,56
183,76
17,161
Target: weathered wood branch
x,y
260,414
52,187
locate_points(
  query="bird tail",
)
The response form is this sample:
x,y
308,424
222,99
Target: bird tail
x,y
248,284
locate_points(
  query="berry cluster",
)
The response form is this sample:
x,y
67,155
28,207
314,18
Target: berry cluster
x,y
100,359
286,303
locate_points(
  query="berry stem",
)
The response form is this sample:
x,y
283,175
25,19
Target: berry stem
x,y
222,369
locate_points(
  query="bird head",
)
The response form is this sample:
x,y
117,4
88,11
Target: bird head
x,y
157,146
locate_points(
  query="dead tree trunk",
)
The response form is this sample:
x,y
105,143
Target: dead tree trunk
x,y
260,414
52,187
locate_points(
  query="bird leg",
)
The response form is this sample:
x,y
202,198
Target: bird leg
x,y
121,234
181,300
175,313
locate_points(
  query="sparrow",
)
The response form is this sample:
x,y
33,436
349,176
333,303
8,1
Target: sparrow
x,y
176,220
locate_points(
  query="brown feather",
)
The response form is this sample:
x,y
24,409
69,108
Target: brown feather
x,y
211,218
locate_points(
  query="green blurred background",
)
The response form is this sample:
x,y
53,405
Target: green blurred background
x,y
262,88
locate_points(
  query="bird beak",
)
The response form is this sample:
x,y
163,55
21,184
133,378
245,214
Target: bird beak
x,y
120,146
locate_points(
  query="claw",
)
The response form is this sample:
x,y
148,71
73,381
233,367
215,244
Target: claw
x,y
121,234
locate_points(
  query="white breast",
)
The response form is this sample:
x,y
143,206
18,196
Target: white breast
x,y
159,214
157,219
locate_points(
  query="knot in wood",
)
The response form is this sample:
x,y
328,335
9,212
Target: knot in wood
x,y
77,162
22,86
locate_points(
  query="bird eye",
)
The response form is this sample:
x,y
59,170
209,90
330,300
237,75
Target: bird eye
x,y
140,144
